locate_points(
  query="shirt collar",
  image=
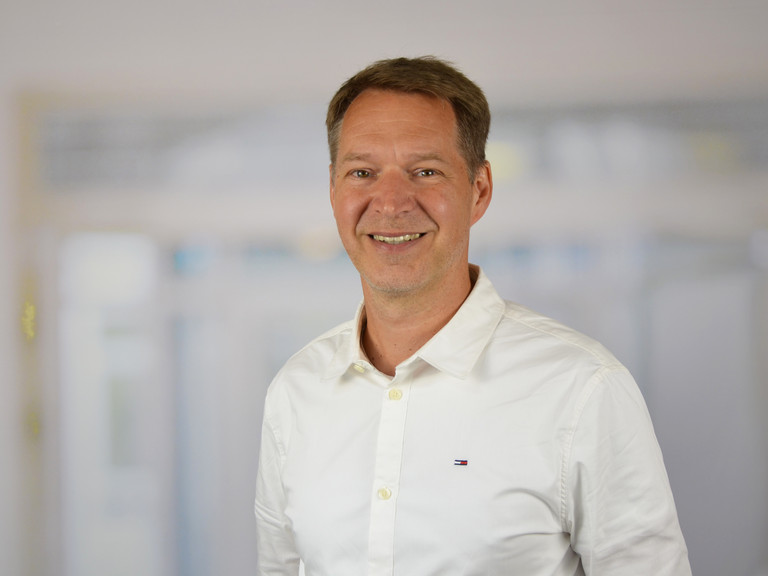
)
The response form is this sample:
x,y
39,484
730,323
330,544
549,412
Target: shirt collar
x,y
349,352
457,347
454,349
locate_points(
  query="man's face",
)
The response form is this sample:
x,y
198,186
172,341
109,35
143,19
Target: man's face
x,y
401,194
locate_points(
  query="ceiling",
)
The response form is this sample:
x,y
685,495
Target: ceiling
x,y
521,51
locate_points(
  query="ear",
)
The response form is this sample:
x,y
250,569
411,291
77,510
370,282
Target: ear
x,y
482,189
331,186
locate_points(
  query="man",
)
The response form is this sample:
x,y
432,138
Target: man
x,y
445,431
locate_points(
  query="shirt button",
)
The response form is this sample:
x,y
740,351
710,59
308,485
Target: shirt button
x,y
384,493
395,394
359,367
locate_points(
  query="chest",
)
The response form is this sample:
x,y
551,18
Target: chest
x,y
442,469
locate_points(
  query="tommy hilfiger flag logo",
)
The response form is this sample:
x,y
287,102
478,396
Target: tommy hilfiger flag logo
x,y
459,462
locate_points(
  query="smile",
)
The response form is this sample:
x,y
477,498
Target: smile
x,y
396,239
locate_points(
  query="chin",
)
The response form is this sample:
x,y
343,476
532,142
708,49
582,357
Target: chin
x,y
394,286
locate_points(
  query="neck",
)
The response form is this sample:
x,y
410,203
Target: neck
x,y
397,326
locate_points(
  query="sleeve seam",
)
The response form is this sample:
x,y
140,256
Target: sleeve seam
x,y
597,378
268,424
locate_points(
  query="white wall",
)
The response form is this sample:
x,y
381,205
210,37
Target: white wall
x,y
228,54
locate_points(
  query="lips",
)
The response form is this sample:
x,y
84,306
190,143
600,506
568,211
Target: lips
x,y
394,240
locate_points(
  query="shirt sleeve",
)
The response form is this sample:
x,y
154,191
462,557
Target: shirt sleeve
x,y
619,507
275,546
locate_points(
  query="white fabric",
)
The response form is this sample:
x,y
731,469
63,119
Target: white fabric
x,y
363,474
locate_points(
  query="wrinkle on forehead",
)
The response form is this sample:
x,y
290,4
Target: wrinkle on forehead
x,y
373,104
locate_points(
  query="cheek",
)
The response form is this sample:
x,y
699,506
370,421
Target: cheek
x,y
347,213
453,214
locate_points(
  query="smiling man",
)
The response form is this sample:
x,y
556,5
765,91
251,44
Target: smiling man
x,y
444,430
404,202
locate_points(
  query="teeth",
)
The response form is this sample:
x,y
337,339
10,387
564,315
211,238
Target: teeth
x,y
396,239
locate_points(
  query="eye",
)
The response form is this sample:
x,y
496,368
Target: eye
x,y
425,172
360,173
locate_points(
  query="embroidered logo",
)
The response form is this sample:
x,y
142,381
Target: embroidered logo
x,y
460,462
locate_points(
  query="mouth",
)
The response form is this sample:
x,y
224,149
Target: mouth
x,y
395,240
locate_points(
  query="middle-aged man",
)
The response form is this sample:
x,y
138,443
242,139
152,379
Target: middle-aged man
x,y
443,430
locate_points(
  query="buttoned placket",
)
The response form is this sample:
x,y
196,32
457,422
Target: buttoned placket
x,y
386,483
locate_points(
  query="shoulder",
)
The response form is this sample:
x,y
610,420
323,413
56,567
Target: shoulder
x,y
315,363
542,356
548,338
519,332
318,355
319,351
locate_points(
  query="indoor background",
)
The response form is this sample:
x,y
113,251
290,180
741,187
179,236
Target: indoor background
x,y
166,243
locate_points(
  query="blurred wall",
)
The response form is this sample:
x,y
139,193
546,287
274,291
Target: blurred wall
x,y
212,57
11,406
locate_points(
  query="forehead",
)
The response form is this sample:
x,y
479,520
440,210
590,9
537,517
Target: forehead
x,y
386,112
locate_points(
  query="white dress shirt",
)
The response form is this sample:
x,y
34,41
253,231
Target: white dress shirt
x,y
508,444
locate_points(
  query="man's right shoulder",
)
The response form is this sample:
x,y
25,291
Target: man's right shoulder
x,y
306,378
314,358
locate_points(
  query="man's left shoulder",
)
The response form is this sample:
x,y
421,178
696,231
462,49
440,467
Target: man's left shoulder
x,y
552,337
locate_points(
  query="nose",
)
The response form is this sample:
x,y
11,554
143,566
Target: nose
x,y
393,194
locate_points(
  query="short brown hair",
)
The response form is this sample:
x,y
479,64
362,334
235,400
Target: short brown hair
x,y
425,75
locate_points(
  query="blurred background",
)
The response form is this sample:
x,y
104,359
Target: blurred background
x,y
166,243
